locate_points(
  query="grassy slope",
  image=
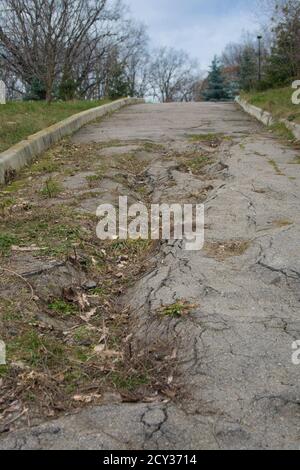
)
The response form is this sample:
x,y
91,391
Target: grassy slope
x,y
18,120
277,101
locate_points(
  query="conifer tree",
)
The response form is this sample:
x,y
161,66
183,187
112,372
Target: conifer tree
x,y
216,89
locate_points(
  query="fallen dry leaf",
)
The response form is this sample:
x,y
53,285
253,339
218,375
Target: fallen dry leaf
x,y
87,316
82,301
86,398
99,349
26,249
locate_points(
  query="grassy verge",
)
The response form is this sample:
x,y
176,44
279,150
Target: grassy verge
x,y
277,101
18,120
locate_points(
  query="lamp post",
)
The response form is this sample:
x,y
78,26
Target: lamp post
x,y
259,57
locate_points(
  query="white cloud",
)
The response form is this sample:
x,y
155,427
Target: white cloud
x,y
201,28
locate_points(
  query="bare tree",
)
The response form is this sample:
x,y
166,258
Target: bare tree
x,y
134,57
41,39
172,75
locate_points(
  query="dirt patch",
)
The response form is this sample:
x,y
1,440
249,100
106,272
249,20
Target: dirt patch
x,y
223,250
212,140
61,316
281,223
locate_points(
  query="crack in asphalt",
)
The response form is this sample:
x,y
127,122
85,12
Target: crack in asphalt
x,y
234,349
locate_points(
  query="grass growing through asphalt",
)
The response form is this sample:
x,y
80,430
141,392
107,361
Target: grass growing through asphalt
x,y
178,310
51,188
18,120
205,137
276,101
195,162
276,168
282,131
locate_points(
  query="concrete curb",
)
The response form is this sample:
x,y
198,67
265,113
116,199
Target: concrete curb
x,y
24,152
267,118
294,128
261,115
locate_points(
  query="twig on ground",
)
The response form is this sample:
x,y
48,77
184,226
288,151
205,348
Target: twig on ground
x,y
9,271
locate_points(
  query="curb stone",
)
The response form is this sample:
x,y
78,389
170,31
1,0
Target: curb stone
x,y
261,115
267,118
21,154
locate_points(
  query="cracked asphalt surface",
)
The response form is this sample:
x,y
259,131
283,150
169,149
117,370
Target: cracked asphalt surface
x,y
234,351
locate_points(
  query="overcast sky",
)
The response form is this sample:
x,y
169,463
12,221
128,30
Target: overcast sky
x,y
201,27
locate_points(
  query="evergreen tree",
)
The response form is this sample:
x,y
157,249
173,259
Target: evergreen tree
x,y
118,86
216,88
233,89
36,91
67,88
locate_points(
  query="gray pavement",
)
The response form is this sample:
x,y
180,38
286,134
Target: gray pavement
x,y
234,351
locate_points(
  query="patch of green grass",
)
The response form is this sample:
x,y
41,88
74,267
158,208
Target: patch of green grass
x,y
15,186
195,163
276,168
44,166
6,203
10,312
199,162
205,137
35,350
18,120
82,334
51,188
100,292
212,138
282,131
152,147
94,180
277,101
131,163
55,230
73,379
119,246
129,382
133,247
3,371
177,310
6,242
142,190
62,308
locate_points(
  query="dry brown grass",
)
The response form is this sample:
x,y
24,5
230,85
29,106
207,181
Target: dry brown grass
x,y
67,346
226,249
